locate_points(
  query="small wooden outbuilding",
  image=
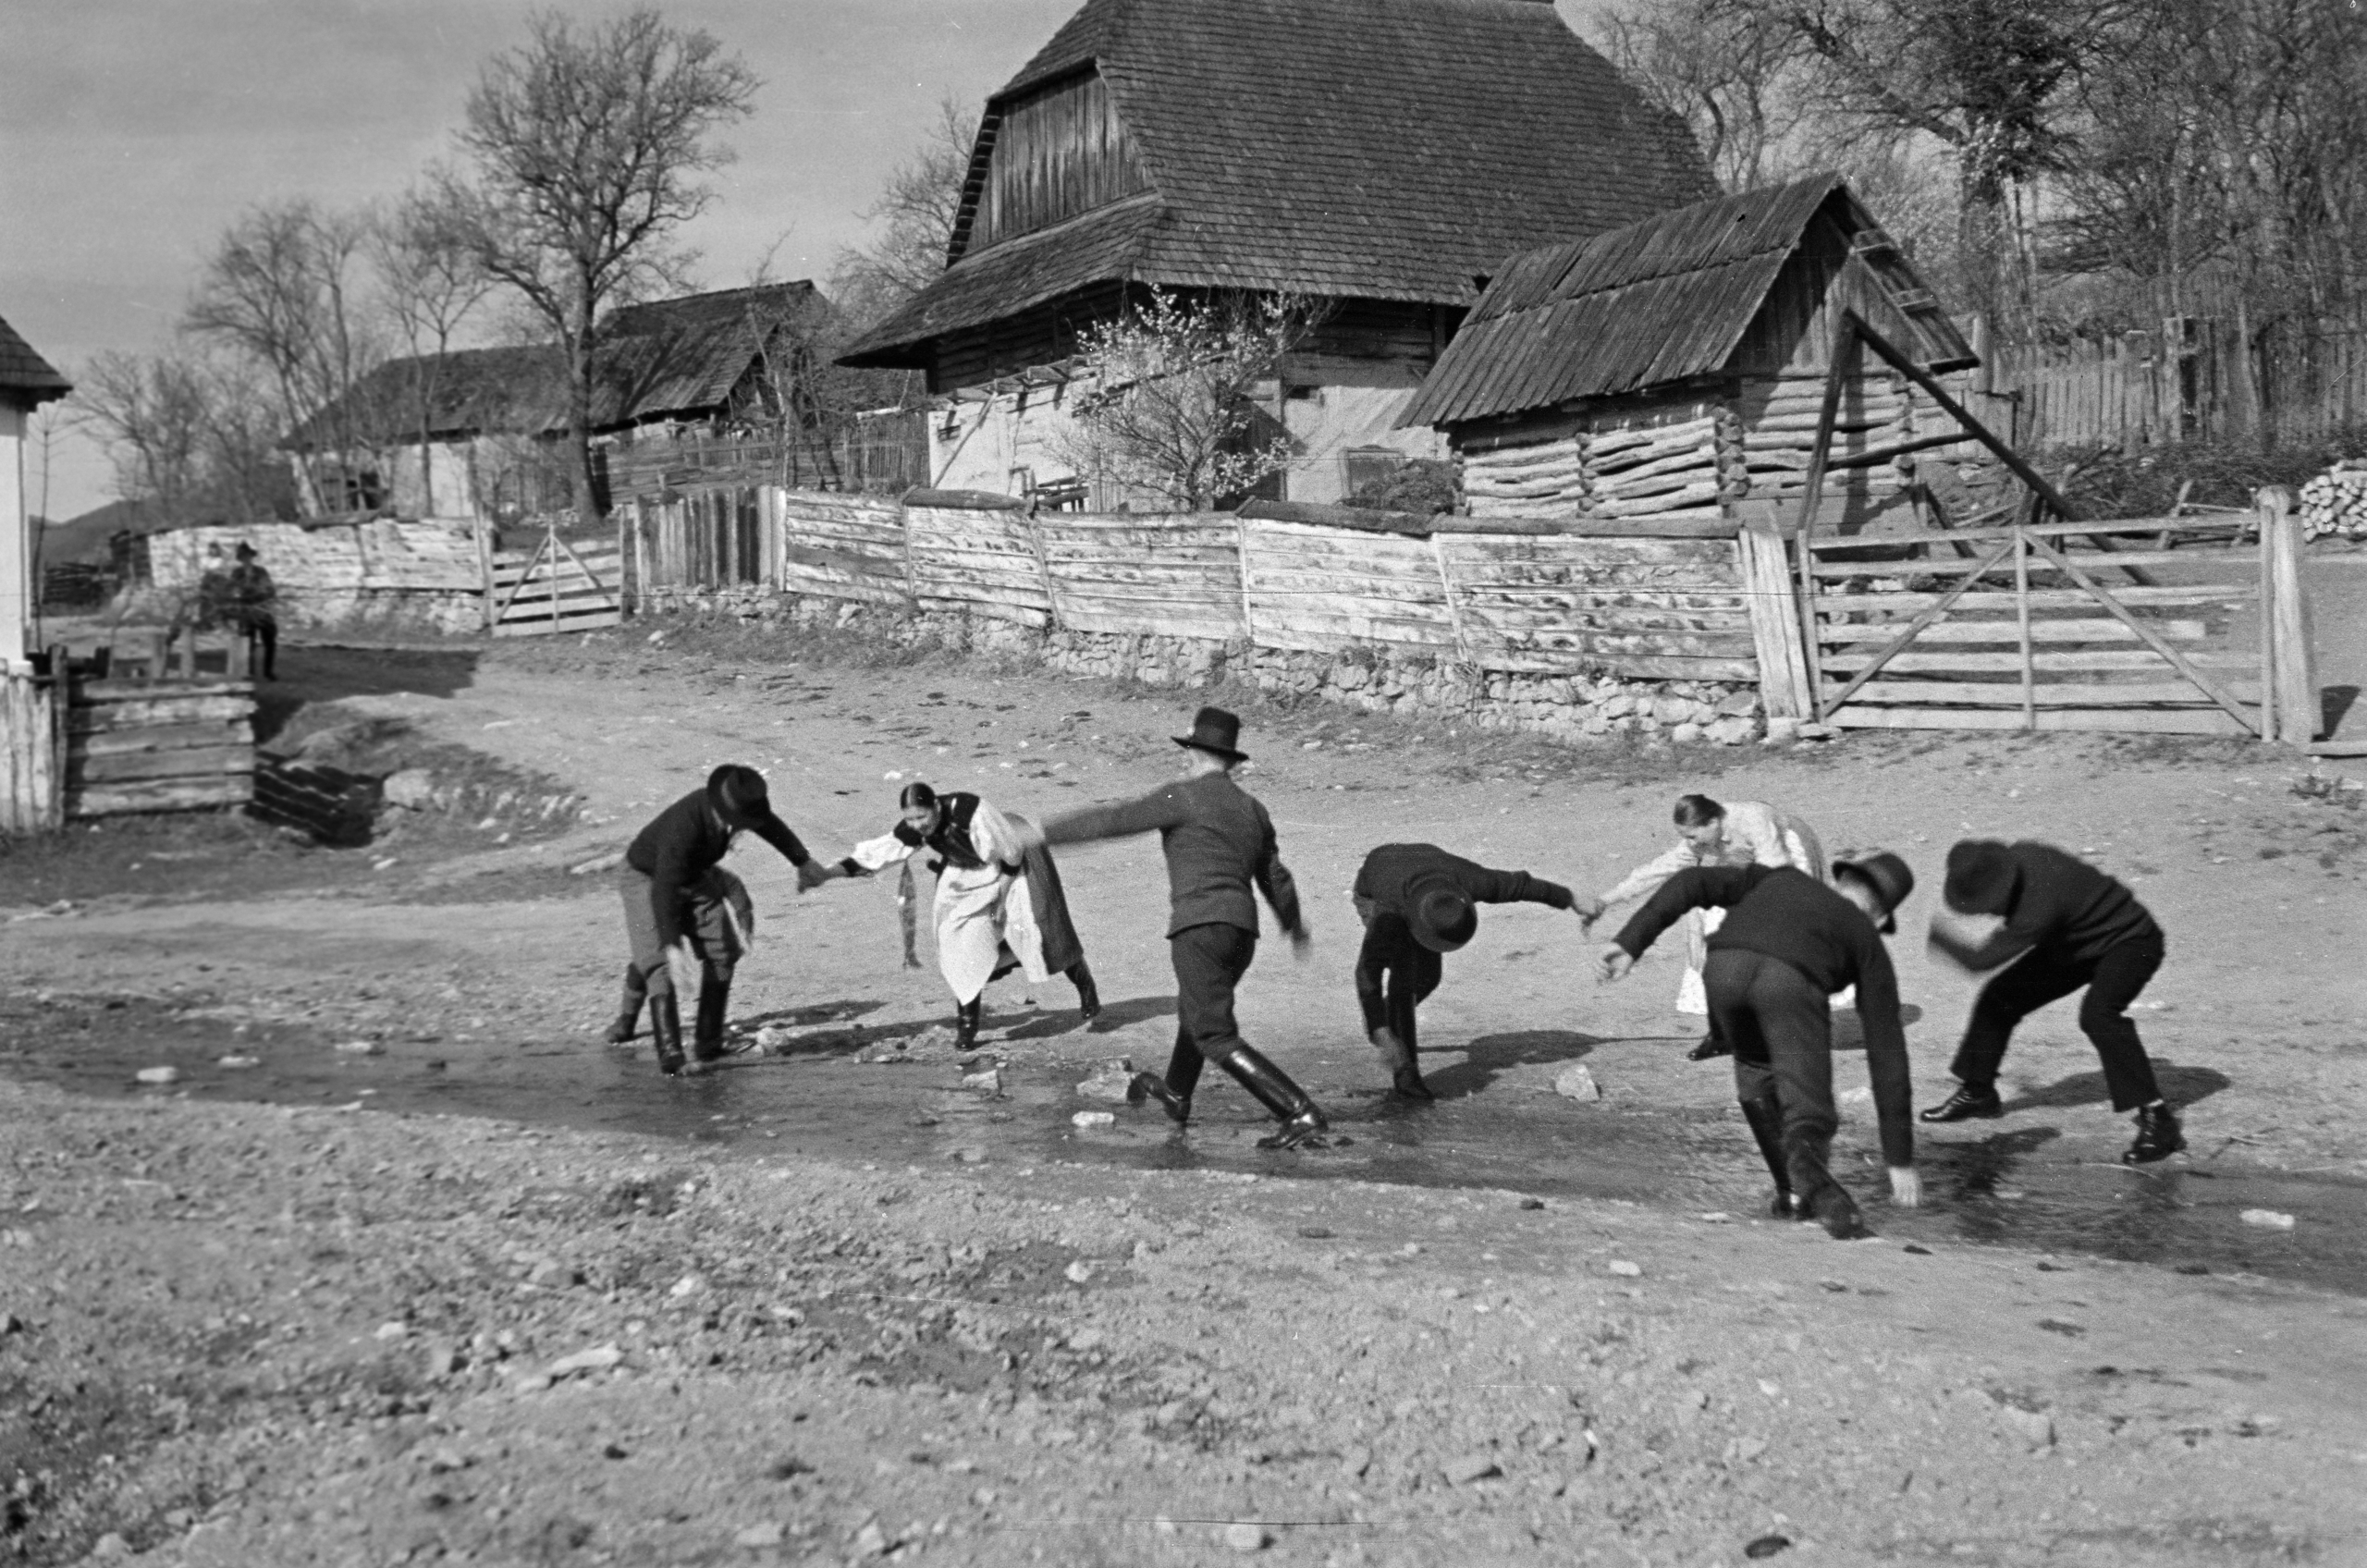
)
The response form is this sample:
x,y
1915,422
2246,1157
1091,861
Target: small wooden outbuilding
x,y
1675,368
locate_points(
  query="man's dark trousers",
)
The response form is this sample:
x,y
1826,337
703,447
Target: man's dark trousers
x,y
1409,971
1780,1024
1209,962
2113,978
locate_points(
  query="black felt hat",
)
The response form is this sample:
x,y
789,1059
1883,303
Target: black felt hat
x,y
1981,878
1891,878
738,796
1443,919
1214,731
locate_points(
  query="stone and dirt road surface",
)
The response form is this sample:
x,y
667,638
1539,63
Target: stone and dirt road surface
x,y
405,1265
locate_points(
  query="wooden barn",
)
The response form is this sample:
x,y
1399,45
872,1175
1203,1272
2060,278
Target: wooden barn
x,y
1376,157
1675,368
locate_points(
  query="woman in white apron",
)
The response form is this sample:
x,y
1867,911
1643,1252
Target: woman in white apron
x,y
999,904
1737,833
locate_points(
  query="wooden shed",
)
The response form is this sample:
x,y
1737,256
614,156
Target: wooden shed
x,y
1675,369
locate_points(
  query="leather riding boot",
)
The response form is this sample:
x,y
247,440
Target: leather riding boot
x,y
1088,994
666,1031
965,1021
715,1002
1404,1071
1274,1089
1712,1047
2158,1135
1766,1119
628,1022
1968,1102
1151,1086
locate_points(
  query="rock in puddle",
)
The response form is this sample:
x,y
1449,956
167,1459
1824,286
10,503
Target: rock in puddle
x,y
1246,1538
1471,1467
759,1535
1108,1082
1578,1083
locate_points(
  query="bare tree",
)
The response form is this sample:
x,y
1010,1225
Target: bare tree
x,y
189,434
280,290
430,280
1168,407
1730,73
588,145
915,212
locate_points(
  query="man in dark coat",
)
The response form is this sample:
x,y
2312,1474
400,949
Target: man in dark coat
x,y
1417,902
252,602
1219,844
2068,925
1788,943
677,913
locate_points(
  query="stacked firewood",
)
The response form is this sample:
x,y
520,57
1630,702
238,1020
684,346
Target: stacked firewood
x,y
1548,478
2336,501
1656,470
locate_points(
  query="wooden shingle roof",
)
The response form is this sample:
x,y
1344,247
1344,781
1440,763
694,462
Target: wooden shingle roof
x,y
1376,149
26,379
1660,300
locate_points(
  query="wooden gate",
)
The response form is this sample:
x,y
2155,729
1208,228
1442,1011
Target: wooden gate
x,y
2047,622
557,588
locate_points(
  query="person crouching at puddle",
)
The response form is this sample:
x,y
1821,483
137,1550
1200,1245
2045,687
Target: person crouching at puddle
x,y
687,920
1219,842
1787,943
2069,925
1418,903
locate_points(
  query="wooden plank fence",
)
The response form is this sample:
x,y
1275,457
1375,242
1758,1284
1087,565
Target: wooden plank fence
x,y
158,745
557,587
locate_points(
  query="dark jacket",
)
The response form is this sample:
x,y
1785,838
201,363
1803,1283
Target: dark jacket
x,y
1388,876
1218,843
1788,915
2056,901
950,840
682,842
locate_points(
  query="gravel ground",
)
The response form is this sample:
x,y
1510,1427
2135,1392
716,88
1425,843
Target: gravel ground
x,y
813,1311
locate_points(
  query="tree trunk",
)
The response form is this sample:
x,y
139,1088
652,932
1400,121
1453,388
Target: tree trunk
x,y
588,509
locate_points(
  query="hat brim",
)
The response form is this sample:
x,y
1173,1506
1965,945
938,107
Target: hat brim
x,y
1438,941
1189,745
1888,924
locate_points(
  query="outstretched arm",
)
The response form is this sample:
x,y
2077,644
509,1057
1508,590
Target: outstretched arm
x,y
1147,814
1695,887
1650,876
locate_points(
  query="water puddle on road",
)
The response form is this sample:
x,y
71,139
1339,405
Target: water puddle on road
x,y
2014,1186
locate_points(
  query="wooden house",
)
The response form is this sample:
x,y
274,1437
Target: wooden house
x,y
27,381
1376,157
1675,369
473,433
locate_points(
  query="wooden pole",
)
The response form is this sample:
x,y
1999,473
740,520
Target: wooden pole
x,y
2298,705
2267,618
2022,615
1845,356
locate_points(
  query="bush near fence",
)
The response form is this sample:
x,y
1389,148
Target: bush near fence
x,y
1570,628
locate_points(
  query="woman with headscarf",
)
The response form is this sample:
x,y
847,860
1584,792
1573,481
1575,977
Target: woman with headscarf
x,y
1708,833
999,904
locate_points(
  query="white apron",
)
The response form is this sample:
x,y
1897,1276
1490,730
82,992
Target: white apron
x,y
985,916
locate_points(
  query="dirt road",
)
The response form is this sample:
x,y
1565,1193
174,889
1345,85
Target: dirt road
x,y
857,1310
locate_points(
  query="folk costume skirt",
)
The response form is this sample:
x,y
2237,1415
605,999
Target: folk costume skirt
x,y
990,921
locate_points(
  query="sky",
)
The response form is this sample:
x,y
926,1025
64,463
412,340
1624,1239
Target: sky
x,y
132,132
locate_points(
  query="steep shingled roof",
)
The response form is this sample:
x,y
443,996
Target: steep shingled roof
x,y
27,379
1377,148
665,359
1657,301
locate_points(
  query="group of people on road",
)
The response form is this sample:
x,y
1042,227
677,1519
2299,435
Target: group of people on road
x,y
1777,937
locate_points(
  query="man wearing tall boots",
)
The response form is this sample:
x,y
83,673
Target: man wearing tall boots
x,y
1220,843
1418,903
2066,924
681,918
1787,944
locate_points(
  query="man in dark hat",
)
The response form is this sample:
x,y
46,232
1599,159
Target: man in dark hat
x,y
1787,944
1220,843
682,917
1417,902
2069,925
251,600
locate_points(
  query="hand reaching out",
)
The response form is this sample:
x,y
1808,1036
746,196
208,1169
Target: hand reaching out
x,y
1611,963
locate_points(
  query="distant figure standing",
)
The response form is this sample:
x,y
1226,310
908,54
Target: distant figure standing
x,y
1741,833
1220,843
251,599
686,919
214,590
1418,903
1787,944
2068,925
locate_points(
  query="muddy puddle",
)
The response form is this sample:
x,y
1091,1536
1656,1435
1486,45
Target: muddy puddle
x,y
2015,1186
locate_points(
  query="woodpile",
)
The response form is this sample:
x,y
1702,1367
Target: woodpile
x,y
2336,501
158,745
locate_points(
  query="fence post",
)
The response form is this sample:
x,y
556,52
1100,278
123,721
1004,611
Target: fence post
x,y
1783,688
2295,669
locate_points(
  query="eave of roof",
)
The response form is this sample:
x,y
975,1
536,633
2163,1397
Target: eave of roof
x,y
1658,301
26,379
